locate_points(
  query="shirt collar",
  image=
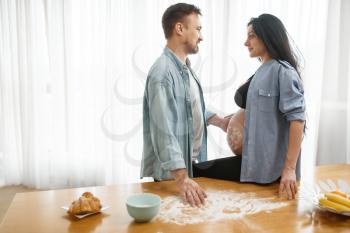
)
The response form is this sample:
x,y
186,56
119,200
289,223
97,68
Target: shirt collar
x,y
181,66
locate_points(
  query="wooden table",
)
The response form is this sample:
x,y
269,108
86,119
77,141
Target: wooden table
x,y
40,211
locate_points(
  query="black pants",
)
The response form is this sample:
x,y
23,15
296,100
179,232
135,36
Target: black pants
x,y
224,169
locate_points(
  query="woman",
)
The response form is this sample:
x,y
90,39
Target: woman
x,y
274,116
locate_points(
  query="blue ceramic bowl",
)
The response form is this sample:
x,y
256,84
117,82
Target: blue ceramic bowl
x,y
143,207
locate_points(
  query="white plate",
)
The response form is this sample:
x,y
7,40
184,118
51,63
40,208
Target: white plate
x,y
104,207
333,210
311,193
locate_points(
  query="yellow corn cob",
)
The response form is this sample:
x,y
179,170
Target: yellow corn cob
x,y
338,199
338,207
340,193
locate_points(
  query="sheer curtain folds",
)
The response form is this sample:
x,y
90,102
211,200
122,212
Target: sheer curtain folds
x,y
72,75
334,127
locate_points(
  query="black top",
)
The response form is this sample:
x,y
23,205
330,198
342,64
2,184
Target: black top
x,y
241,93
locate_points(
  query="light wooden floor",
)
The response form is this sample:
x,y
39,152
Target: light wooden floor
x,y
6,196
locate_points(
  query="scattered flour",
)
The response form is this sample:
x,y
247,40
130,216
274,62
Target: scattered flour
x,y
219,205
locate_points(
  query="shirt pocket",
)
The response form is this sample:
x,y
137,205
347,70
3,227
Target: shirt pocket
x,y
267,100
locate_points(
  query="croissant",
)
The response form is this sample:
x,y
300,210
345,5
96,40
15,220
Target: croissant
x,y
87,203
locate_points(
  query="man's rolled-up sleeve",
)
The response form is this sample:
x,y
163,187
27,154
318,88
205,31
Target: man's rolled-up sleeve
x,y
291,102
163,121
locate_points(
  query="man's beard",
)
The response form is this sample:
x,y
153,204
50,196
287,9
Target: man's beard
x,y
192,49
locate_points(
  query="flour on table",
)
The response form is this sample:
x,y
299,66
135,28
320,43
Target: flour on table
x,y
219,205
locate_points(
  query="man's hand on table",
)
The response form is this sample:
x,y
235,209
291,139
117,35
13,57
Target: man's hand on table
x,y
190,191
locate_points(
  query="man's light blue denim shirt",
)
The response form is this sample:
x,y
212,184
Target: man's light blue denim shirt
x,y
275,97
167,119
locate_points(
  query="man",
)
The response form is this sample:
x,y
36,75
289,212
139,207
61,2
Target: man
x,y
174,114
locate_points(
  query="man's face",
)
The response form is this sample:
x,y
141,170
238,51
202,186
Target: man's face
x,y
192,33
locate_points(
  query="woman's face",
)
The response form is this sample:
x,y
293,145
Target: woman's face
x,y
255,46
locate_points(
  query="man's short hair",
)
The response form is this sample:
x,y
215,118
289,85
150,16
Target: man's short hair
x,y
176,13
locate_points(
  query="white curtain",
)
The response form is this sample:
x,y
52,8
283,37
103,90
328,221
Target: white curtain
x,y
334,128
73,73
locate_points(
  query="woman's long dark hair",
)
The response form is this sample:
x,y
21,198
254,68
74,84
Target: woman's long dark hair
x,y
274,35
